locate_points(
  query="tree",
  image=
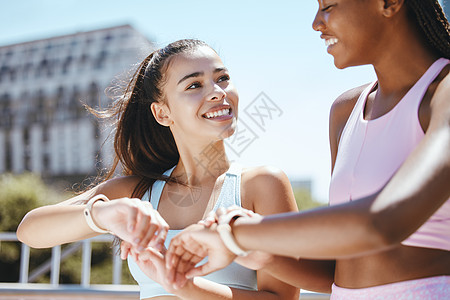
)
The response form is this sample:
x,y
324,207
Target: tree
x,y
305,200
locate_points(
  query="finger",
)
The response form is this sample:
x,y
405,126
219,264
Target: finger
x,y
220,212
184,263
133,253
149,236
124,250
160,238
145,228
150,254
180,280
201,270
170,276
157,231
171,251
187,262
208,221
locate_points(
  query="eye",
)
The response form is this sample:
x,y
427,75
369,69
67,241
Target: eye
x,y
224,78
193,85
327,8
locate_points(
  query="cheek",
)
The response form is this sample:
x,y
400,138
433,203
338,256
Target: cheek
x,y
232,95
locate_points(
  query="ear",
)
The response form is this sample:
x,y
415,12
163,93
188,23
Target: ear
x,y
161,113
392,7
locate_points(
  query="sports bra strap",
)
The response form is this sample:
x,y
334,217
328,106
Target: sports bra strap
x,y
157,189
230,192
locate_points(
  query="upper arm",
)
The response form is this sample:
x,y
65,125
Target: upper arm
x,y
339,114
267,190
115,188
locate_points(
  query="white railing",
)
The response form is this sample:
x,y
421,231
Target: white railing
x,y
119,291
54,264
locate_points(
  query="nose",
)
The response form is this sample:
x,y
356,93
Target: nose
x,y
318,24
217,93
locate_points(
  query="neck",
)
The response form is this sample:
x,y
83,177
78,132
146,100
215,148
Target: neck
x,y
404,58
201,164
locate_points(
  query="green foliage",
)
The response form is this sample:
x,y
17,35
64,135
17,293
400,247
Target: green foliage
x,y
304,199
18,195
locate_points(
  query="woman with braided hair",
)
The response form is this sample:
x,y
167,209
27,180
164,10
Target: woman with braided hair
x,y
386,233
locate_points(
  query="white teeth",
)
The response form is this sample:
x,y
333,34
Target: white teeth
x,y
218,113
332,41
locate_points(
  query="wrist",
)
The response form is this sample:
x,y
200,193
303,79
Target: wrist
x,y
91,214
225,230
98,213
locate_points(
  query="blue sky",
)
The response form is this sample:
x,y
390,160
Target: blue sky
x,y
268,46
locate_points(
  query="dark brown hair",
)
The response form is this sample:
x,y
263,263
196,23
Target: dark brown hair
x,y
142,146
430,18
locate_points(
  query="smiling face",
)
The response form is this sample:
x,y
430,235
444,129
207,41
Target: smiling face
x,y
200,102
352,30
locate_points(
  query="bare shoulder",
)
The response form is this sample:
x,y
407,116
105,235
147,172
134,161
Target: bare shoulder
x,y
343,105
115,188
266,190
119,187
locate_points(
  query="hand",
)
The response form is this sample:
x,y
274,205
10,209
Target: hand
x,y
214,216
189,247
255,260
150,261
132,220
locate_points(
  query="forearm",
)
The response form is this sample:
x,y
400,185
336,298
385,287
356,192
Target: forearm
x,y
313,275
203,289
53,225
323,233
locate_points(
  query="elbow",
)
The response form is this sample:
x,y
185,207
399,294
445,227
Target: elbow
x,y
21,232
25,235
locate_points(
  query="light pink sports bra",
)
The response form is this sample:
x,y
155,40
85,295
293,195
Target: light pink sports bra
x,y
370,152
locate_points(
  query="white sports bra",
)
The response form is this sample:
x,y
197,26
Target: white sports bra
x,y
234,275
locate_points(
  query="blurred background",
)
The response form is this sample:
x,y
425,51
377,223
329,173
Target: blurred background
x,y
57,55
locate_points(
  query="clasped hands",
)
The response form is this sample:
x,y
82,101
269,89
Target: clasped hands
x,y
172,268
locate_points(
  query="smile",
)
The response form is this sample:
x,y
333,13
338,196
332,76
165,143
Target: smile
x,y
218,113
331,41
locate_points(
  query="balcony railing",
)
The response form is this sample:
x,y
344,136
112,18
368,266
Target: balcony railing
x,y
25,290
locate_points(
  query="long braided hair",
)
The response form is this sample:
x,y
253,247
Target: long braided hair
x,y
142,146
430,17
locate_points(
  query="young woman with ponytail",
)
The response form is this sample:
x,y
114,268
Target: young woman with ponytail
x,y
386,234
170,125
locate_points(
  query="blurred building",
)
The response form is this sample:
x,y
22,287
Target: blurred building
x,y
445,3
44,127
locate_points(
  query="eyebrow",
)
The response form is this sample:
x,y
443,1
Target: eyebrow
x,y
198,74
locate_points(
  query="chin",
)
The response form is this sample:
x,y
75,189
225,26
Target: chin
x,y
340,64
229,131
343,64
